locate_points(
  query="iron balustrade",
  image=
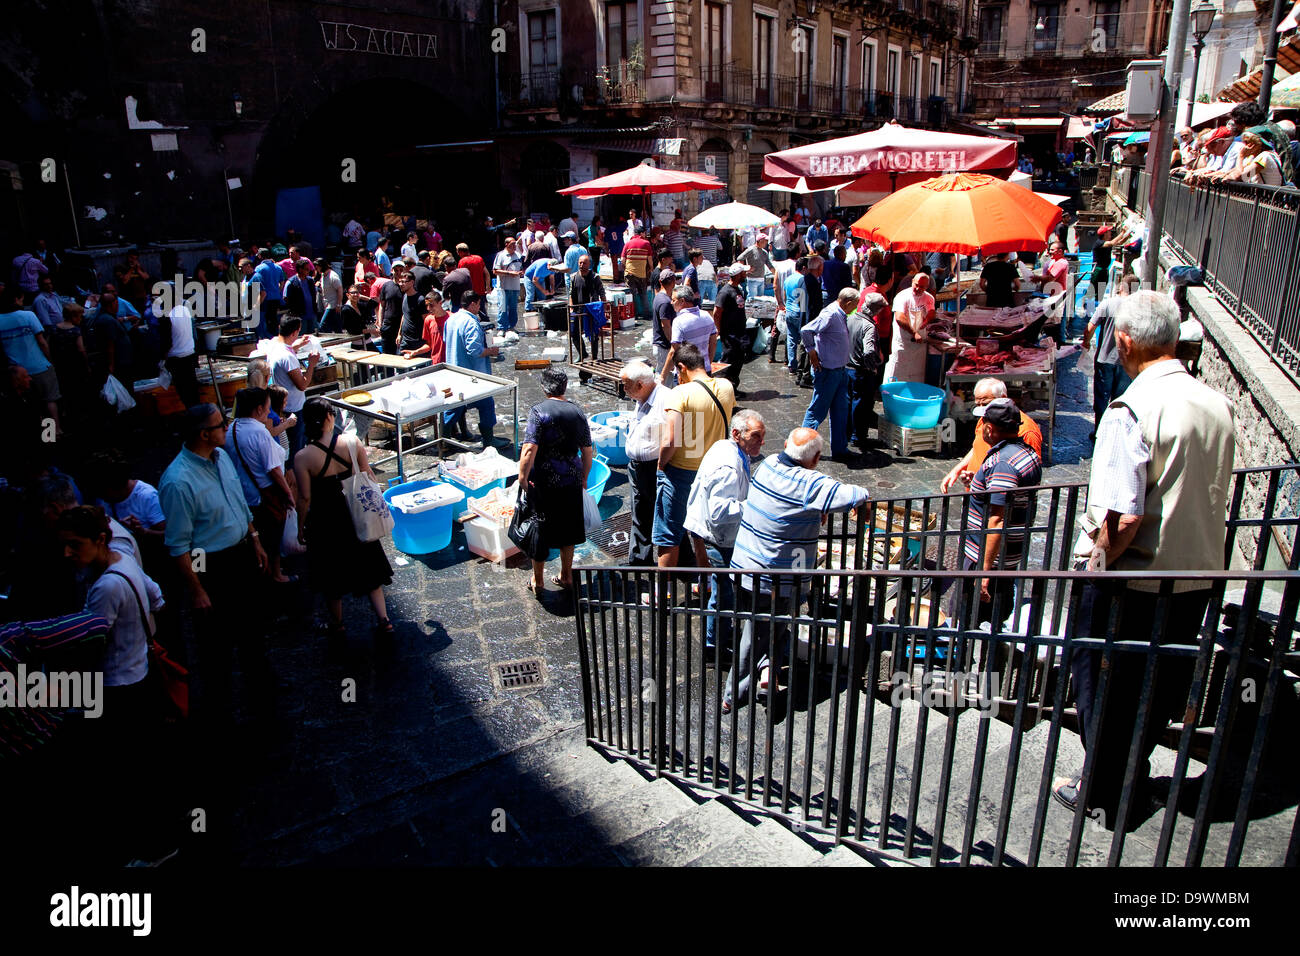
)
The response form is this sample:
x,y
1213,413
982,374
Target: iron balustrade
x,y
1245,236
910,730
535,90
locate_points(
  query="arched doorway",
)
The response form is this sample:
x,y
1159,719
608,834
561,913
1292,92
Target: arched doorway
x,y
755,196
545,167
714,159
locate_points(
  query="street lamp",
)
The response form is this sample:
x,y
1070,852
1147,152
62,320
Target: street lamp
x,y
1040,26
1202,22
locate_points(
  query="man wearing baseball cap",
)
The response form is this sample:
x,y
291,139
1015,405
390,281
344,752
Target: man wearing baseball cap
x,y
729,314
998,515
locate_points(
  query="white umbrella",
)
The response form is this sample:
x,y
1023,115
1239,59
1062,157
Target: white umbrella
x,y
734,215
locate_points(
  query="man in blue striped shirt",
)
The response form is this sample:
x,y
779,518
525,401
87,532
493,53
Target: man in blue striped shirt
x,y
782,518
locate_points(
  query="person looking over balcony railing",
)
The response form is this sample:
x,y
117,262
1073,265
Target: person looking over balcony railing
x,y
1259,163
1156,501
779,525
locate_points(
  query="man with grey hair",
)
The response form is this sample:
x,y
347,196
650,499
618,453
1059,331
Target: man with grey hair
x,y
779,525
826,339
866,361
1156,502
987,390
638,381
713,516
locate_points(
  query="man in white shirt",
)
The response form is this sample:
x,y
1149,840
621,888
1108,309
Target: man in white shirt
x,y
568,224
176,334
508,267
329,297
286,371
691,326
551,239
713,517
408,247
638,380
633,224
354,233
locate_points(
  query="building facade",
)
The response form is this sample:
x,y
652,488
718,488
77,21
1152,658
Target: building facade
x,y
594,86
1044,58
143,120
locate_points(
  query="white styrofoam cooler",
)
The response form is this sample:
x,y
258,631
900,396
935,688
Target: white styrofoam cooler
x,y
488,539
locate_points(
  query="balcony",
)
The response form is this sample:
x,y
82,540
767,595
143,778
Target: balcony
x,y
550,90
531,91
992,46
743,87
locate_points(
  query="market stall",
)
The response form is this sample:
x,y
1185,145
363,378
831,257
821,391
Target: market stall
x,y
966,213
413,401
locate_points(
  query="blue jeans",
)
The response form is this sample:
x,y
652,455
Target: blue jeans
x,y
793,323
753,288
831,395
509,316
1109,381
708,289
722,597
672,492
487,415
780,255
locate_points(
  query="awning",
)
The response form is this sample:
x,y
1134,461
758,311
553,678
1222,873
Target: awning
x,y
1202,113
980,130
1115,103
1029,122
1247,88
638,145
1291,21
1079,128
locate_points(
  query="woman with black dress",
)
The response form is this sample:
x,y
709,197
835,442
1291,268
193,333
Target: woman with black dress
x,y
337,562
553,467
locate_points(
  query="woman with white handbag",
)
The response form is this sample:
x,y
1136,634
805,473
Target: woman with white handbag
x,y
334,482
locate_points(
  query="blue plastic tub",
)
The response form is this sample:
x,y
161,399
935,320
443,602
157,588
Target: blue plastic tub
x,y
616,451
912,404
427,529
597,480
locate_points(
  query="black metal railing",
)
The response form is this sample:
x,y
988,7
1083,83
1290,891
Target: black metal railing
x,y
536,90
744,87
612,86
992,46
906,727
1247,238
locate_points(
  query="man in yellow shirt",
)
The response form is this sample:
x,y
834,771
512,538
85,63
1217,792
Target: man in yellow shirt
x,y
696,415
986,390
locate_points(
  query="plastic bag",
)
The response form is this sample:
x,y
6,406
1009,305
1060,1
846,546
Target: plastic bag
x,y
164,377
289,544
370,515
761,341
591,513
116,394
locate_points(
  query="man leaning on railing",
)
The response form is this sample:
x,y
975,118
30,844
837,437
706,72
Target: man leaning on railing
x,y
779,525
1156,502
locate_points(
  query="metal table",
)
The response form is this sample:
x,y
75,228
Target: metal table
x,y
452,375
1040,386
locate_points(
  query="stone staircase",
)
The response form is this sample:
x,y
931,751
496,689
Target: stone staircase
x,y
559,802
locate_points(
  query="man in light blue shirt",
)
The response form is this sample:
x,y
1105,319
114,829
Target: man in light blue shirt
x,y
382,259
47,305
537,284
780,523
796,297
467,350
211,537
826,339
269,278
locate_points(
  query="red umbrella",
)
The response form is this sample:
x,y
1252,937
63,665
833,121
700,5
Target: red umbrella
x,y
643,179
885,158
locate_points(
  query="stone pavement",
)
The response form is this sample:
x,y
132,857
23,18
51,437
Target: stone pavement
x,y
320,771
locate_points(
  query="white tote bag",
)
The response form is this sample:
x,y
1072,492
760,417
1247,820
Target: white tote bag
x,y
370,515
590,513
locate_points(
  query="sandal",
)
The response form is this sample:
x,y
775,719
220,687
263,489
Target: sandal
x,y
538,590
384,626
1066,792
559,583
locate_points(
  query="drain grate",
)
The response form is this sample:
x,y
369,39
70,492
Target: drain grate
x,y
613,537
517,674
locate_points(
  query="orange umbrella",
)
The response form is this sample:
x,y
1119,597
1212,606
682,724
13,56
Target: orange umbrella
x,y
963,212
